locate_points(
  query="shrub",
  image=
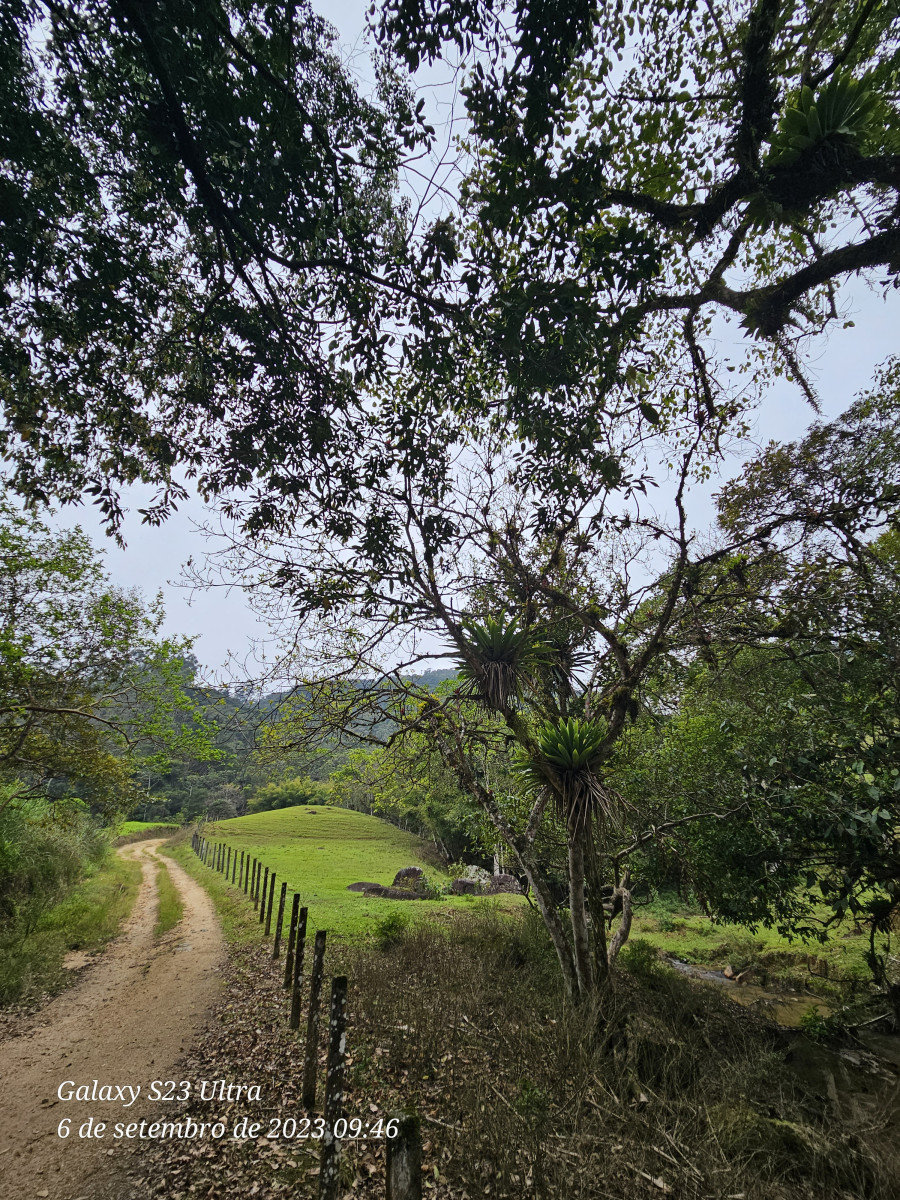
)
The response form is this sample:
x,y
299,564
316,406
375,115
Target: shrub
x,y
390,930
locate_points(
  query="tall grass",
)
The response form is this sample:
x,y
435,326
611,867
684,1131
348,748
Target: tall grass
x,y
60,889
663,1088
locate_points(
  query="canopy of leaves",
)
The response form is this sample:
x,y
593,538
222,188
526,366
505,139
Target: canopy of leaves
x,y
639,167
196,197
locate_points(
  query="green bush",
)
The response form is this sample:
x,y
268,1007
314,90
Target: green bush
x,y
640,958
44,851
819,1026
390,930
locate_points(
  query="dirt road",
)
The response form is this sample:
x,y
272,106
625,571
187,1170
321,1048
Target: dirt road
x,y
124,1024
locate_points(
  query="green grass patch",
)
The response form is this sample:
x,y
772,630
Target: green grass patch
x,y
87,919
679,929
127,827
320,850
170,909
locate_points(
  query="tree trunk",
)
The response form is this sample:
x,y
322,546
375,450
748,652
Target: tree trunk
x,y
544,901
581,940
622,933
518,845
597,914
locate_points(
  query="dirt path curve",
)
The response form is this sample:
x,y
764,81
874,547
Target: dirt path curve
x,y
125,1022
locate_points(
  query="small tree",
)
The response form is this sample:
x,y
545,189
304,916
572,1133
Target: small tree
x,y
555,619
89,691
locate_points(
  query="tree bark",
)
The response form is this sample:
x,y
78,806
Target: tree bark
x,y
597,914
581,940
622,933
544,901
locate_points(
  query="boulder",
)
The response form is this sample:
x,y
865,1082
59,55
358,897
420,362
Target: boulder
x,y
505,883
361,887
408,877
729,972
466,887
391,893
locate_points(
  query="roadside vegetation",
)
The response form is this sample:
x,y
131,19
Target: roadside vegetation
x,y
33,948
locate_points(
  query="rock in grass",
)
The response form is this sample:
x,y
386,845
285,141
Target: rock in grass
x,y
392,893
466,887
505,883
408,877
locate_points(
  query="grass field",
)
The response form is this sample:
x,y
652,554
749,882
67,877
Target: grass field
x,y
320,850
680,929
126,828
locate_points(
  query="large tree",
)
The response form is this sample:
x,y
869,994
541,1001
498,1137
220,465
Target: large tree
x,y
644,171
207,269
565,628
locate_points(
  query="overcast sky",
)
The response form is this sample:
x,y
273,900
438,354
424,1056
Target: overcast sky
x,y
224,624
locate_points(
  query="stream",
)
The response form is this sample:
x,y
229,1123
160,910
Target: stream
x,y
785,1008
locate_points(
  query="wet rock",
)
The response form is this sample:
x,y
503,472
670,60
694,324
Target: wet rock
x,y
729,972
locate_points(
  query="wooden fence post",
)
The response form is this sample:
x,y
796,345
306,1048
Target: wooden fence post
x,y
234,867
243,876
262,897
253,882
292,938
228,864
311,1049
299,947
269,905
276,949
329,1164
403,1155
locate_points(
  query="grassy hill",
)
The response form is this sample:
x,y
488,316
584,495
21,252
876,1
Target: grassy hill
x,y
320,850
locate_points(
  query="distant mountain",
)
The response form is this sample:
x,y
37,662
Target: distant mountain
x,y
431,679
